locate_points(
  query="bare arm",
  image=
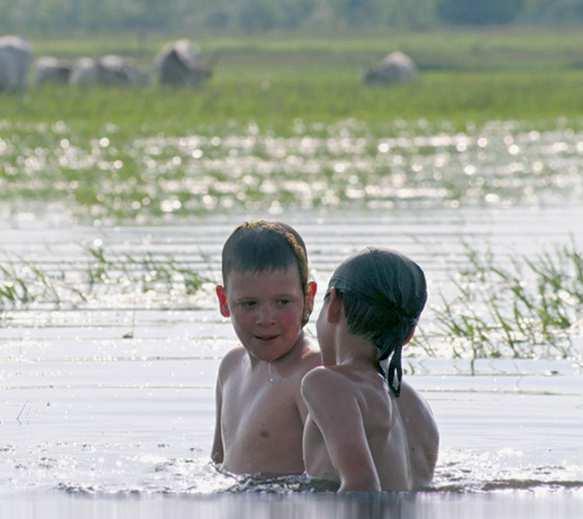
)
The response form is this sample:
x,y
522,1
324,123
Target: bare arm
x,y
217,453
312,361
336,412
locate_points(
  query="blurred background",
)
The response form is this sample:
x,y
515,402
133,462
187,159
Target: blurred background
x,y
70,17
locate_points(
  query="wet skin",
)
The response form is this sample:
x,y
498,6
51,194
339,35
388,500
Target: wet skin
x,y
260,412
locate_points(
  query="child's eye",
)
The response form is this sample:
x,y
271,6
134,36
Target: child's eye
x,y
283,302
247,305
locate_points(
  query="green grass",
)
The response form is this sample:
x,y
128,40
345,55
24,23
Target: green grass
x,y
506,48
273,100
528,309
525,310
473,76
271,84
23,284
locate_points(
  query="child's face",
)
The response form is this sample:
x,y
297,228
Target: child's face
x,y
266,309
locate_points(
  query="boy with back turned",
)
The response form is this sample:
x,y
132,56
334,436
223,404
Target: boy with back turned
x,y
260,412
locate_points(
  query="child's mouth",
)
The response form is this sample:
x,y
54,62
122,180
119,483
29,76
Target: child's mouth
x,y
266,338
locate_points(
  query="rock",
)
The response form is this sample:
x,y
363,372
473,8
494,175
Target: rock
x,y
395,68
84,72
15,61
52,70
179,64
115,70
108,70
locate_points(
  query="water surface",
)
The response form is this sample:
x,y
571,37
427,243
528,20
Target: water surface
x,y
109,352
113,397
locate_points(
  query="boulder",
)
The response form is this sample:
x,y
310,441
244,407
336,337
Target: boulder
x,y
115,70
84,72
52,70
180,64
108,70
395,68
15,61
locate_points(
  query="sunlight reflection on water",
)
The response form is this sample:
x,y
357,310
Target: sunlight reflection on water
x,y
92,411
498,163
111,396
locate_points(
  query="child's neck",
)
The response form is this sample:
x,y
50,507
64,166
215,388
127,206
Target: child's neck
x,y
356,352
292,355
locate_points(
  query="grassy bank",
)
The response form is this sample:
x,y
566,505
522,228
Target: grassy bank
x,y
122,153
316,140
274,99
520,74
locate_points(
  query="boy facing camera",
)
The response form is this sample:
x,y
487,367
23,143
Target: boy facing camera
x,y
260,412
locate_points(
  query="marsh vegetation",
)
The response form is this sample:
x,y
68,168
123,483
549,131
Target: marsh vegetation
x,y
285,124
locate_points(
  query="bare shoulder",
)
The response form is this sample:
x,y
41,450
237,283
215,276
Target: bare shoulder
x,y
230,361
305,361
422,427
322,382
323,389
310,360
413,404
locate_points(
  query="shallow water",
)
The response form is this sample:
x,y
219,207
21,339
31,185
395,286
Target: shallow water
x,y
316,166
111,398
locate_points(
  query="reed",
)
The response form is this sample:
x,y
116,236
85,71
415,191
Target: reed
x,y
24,284
525,310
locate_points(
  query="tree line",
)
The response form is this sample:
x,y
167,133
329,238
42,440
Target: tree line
x,y
66,17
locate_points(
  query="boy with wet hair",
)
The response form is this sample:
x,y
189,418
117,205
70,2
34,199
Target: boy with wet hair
x,y
260,412
367,430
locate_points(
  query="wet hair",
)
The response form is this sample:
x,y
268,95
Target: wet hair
x,y
383,293
259,246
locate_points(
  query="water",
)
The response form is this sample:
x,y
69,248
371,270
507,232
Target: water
x,y
106,401
106,388
318,166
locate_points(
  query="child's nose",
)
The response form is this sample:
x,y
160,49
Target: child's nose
x,y
265,314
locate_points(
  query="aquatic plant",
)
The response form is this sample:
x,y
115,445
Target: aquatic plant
x,y
114,176
524,310
23,284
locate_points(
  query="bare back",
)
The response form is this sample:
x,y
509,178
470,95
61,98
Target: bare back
x,y
352,415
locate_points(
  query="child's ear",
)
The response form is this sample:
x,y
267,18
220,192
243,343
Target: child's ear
x,y
311,290
223,303
335,307
310,295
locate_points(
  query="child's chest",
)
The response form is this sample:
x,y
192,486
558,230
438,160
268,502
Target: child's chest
x,y
254,407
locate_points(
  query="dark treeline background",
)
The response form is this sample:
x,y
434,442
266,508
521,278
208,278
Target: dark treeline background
x,y
66,17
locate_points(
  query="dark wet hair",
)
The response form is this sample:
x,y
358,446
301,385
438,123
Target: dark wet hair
x,y
260,245
383,293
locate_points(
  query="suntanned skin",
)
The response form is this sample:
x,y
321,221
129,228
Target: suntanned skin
x,y
357,433
260,412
